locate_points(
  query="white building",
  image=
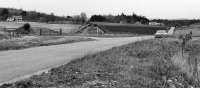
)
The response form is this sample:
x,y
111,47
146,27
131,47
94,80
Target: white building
x,y
156,23
15,19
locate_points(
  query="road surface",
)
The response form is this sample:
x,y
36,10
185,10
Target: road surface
x,y
20,64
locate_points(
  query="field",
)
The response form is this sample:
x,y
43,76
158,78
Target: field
x,y
109,35
35,41
70,29
32,41
66,28
130,28
194,28
146,64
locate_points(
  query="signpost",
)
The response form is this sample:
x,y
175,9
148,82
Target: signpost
x,y
185,40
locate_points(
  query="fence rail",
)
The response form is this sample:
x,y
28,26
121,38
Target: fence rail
x,y
192,62
13,32
50,32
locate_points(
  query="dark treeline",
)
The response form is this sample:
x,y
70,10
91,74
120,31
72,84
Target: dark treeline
x,y
141,19
41,17
177,23
120,18
82,18
29,15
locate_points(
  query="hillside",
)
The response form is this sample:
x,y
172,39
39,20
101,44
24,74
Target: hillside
x,y
66,28
116,28
29,15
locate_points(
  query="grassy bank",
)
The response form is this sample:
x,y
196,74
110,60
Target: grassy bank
x,y
35,41
129,28
109,35
145,64
66,28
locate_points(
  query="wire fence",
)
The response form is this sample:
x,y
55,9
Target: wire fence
x,y
192,61
14,32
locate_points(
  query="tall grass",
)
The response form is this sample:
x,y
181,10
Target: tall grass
x,y
146,64
35,41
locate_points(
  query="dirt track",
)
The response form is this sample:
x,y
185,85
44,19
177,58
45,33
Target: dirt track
x,y
19,64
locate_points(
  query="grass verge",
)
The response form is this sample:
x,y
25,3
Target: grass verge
x,y
35,41
145,64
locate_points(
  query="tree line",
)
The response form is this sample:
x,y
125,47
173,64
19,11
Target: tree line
x,y
82,18
41,17
134,18
29,15
177,23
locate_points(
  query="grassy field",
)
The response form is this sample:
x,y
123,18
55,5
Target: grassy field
x,y
35,41
145,64
130,28
183,30
67,28
109,35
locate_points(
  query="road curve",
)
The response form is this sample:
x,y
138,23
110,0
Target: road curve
x,y
19,64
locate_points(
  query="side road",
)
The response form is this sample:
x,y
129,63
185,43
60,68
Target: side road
x,y
19,64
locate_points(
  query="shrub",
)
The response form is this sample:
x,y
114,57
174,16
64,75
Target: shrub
x,y
27,27
24,84
6,85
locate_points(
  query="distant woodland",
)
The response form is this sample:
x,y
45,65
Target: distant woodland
x,y
82,18
123,18
29,15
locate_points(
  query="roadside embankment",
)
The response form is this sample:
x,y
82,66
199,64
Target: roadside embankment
x,y
145,64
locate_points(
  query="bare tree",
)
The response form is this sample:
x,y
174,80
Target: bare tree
x,y
84,18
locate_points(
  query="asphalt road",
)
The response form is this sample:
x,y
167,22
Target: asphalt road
x,y
20,64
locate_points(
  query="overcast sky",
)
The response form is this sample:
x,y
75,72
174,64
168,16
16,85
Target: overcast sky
x,y
170,9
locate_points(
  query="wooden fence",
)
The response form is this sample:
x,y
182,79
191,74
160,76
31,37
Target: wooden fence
x,y
13,32
50,32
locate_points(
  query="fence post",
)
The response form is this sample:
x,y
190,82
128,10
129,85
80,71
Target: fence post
x,y
40,32
197,74
13,34
4,29
97,31
195,68
183,46
60,31
10,35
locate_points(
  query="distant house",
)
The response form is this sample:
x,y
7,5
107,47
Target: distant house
x,y
15,19
123,22
156,24
138,23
